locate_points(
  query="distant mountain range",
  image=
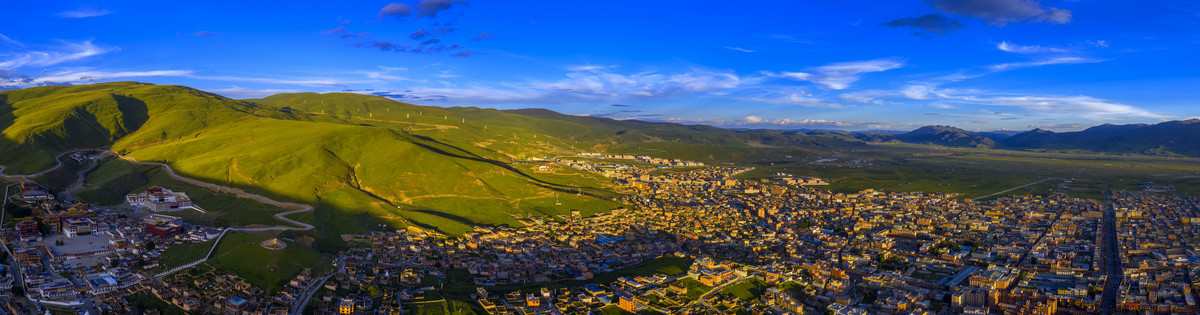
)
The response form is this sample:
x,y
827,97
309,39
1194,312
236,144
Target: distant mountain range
x,y
1167,138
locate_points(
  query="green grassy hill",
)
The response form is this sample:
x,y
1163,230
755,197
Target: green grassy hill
x,y
359,173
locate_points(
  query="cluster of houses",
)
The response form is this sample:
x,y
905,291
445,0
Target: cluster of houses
x,y
158,199
641,158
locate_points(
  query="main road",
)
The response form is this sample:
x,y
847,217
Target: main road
x,y
1112,261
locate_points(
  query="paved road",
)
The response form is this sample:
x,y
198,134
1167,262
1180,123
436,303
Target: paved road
x,y
302,302
1112,262
281,216
704,297
1014,188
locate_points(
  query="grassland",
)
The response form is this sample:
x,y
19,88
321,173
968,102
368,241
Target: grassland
x,y
745,290
461,285
114,178
979,172
442,307
241,254
695,289
183,254
357,160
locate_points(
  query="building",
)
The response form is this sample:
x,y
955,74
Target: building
x,y
346,306
160,199
163,225
627,303
76,226
31,192
27,230
783,300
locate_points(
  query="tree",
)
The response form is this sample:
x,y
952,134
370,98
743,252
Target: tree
x,y
149,245
114,263
18,290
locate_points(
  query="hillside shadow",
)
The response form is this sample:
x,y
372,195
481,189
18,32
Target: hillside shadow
x,y
6,120
134,112
534,180
472,157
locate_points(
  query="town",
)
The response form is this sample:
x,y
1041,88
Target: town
x,y
693,240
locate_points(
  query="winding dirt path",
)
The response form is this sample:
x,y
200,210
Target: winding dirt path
x,y
282,216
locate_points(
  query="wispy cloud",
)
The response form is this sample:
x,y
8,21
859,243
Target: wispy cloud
x,y
1029,49
310,82
385,74
10,41
757,121
67,52
1001,12
740,49
1042,62
78,76
237,92
206,33
1085,106
587,84
946,98
485,35
841,75
84,12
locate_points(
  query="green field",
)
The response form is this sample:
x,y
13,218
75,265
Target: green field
x,y
613,310
979,172
442,307
458,284
183,254
746,290
695,288
240,254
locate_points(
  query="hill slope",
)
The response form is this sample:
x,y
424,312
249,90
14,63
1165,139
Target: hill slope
x,y
1167,138
947,136
358,173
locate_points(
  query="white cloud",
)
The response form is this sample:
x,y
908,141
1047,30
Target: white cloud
x,y
589,84
70,51
84,12
791,98
777,123
77,76
740,49
384,74
582,68
1085,106
1043,62
917,92
1028,49
6,39
236,92
839,76
311,82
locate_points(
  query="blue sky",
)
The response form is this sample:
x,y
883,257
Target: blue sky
x,y
975,64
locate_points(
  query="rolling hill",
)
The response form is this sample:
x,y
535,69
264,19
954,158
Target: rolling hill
x,y
359,173
946,136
